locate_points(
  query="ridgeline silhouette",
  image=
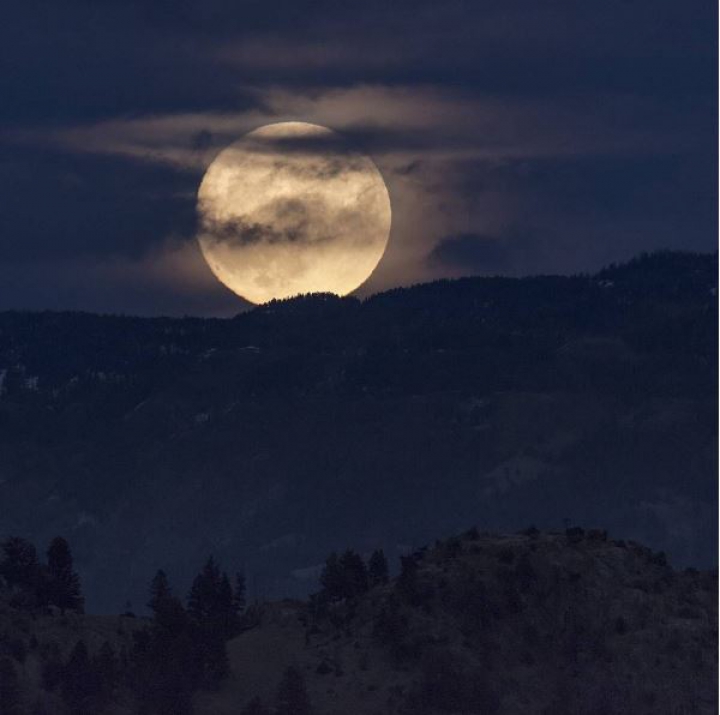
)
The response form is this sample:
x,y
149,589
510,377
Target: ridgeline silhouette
x,y
319,422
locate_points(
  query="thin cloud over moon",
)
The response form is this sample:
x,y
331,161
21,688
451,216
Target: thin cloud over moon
x,y
455,162
276,223
572,134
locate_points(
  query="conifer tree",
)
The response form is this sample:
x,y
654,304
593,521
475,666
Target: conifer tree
x,y
168,612
377,568
203,598
20,563
331,579
407,583
354,574
63,582
211,608
167,659
159,591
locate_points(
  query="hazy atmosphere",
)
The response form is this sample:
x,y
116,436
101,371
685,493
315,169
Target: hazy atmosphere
x,y
514,138
358,358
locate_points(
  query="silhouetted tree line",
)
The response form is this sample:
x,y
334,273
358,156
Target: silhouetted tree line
x,y
185,647
181,651
35,585
656,301
348,576
86,683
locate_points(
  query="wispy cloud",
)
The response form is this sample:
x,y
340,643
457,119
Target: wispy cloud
x,y
397,123
456,162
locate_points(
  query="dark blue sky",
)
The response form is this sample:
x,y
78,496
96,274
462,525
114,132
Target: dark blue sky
x,y
516,137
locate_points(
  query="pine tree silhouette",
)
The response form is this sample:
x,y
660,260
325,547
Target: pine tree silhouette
x,y
168,611
377,568
203,598
63,582
331,579
20,563
167,665
212,610
354,574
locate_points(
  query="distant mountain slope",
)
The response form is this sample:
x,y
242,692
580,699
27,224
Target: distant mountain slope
x,y
311,423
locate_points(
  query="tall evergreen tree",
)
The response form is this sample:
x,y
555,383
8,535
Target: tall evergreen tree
x,y
203,598
407,583
377,568
292,696
331,579
354,574
159,591
167,659
63,582
19,565
168,612
211,608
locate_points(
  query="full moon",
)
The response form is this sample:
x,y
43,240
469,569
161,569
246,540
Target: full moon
x,y
289,209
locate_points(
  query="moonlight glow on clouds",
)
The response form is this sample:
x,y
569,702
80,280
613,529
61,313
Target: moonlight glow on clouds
x,y
514,137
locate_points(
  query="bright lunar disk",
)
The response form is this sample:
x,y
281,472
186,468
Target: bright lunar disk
x,y
291,209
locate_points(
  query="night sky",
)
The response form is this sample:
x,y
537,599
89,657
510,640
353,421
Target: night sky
x,y
515,136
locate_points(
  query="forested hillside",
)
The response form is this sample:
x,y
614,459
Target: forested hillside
x,y
301,426
560,623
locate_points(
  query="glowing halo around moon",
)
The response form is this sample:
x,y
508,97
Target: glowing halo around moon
x,y
290,209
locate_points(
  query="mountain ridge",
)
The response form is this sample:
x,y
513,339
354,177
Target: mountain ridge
x,y
267,437
543,623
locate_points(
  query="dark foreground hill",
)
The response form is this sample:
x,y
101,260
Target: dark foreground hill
x,y
533,623
304,425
